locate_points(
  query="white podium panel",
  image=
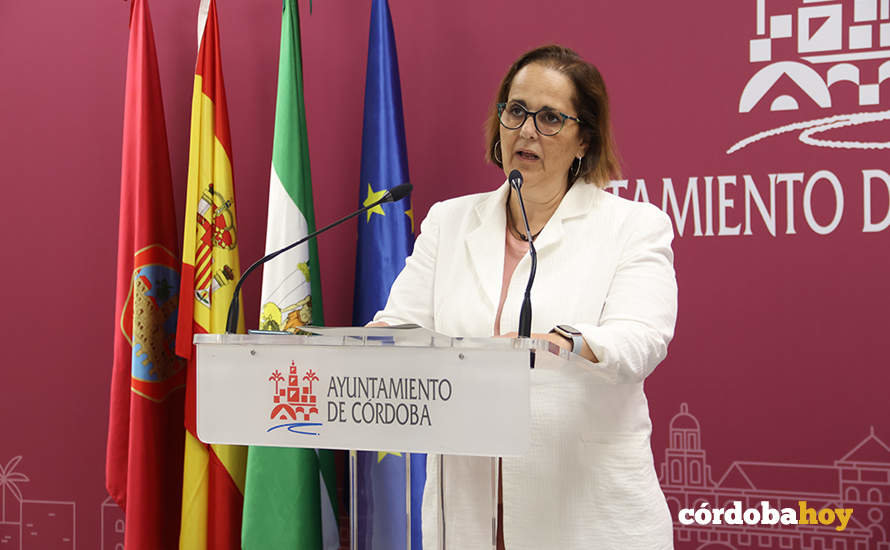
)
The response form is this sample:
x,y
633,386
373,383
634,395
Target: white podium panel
x,y
331,393
394,389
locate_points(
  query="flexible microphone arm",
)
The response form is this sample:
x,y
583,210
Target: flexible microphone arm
x,y
397,193
525,314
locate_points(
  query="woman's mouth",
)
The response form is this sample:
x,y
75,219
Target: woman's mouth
x,y
527,155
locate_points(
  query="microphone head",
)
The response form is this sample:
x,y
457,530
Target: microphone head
x,y
398,192
515,179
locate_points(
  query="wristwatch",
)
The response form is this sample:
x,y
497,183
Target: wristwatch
x,y
571,333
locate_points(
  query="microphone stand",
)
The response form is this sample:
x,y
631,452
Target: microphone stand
x,y
525,313
395,194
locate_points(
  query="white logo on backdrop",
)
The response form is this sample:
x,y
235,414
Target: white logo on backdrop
x,y
814,48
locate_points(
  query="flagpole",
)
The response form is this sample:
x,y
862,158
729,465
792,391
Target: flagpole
x,y
408,531
353,500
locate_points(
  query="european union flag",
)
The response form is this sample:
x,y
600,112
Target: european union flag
x,y
385,239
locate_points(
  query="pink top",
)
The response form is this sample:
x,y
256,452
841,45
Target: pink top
x,y
515,248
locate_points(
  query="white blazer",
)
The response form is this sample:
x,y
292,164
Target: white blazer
x,y
605,266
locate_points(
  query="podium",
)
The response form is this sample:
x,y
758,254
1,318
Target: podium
x,y
375,389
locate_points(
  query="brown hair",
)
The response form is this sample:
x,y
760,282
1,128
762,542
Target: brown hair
x,y
600,162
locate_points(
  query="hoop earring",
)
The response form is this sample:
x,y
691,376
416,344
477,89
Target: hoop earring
x,y
497,150
577,168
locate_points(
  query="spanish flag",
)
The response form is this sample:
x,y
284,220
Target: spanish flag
x,y
213,475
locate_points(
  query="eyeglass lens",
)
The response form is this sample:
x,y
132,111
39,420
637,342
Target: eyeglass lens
x,y
547,121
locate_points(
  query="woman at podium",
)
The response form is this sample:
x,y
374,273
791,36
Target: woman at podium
x,y
605,288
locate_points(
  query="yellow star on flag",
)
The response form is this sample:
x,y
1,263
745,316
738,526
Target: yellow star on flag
x,y
410,214
382,454
374,196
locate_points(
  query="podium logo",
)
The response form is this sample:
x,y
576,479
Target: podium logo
x,y
809,57
295,402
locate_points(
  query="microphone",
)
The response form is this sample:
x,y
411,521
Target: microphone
x,y
525,314
397,193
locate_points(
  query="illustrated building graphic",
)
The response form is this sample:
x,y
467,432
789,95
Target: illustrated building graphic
x,y
32,524
860,479
112,525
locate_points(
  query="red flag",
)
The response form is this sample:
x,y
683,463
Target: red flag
x,y
145,434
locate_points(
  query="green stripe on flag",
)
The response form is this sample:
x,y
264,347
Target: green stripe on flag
x,y
289,497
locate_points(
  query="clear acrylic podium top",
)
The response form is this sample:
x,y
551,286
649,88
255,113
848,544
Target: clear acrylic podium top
x,y
548,355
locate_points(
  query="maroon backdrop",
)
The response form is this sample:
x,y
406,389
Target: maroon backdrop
x,y
779,352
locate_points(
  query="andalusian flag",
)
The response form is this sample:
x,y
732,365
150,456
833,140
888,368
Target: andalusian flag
x,y
144,461
289,500
213,475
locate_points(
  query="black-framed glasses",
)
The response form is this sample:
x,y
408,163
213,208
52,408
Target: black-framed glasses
x,y
548,122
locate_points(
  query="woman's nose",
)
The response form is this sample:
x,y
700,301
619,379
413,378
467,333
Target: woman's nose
x,y
528,130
